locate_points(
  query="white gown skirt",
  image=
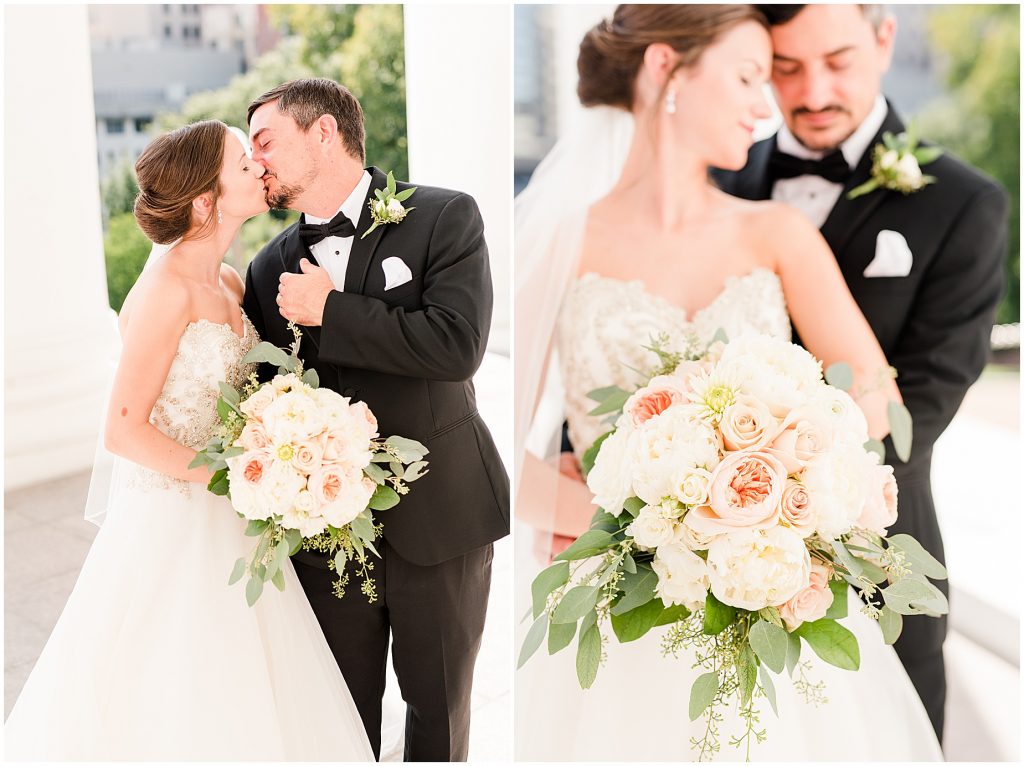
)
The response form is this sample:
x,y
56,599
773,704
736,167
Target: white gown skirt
x,y
155,657
637,708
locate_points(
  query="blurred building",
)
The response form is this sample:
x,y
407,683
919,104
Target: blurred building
x,y
148,59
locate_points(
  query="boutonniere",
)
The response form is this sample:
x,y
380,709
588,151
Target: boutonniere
x,y
388,207
897,165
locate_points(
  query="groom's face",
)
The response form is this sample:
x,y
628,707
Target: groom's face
x,y
827,70
282,147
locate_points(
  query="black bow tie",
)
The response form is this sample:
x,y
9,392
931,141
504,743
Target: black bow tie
x,y
831,167
339,226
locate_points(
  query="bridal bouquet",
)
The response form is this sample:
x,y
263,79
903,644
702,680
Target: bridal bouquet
x,y
740,498
307,468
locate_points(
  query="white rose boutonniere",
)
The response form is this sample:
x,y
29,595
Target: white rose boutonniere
x,y
897,165
388,207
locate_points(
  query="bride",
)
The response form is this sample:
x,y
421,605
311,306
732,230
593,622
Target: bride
x,y
155,657
619,235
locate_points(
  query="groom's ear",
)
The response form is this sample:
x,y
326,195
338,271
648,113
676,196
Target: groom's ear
x,y
326,130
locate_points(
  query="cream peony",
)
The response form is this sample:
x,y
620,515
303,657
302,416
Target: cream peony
x,y
611,477
682,576
752,569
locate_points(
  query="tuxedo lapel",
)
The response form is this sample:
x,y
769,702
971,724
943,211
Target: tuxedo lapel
x,y
363,249
756,184
848,215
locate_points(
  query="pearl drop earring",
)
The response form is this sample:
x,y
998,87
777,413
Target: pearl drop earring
x,y
220,218
670,101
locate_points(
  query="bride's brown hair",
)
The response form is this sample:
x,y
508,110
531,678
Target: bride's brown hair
x,y
172,171
611,52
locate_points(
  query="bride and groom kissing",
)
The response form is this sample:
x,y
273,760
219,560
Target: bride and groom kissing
x,y
810,232
142,666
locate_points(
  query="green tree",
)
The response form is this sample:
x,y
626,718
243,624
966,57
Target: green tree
x,y
118,190
125,248
979,120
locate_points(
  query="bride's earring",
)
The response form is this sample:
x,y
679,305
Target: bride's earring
x,y
670,101
220,218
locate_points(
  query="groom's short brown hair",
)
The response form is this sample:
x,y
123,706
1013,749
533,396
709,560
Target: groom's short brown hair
x,y
308,99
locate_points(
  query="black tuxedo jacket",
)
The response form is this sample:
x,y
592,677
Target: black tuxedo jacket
x,y
934,324
410,353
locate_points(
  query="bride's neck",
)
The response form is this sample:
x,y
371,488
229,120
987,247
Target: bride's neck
x,y
668,182
203,257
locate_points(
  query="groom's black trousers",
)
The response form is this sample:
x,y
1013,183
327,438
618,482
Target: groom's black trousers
x,y
435,616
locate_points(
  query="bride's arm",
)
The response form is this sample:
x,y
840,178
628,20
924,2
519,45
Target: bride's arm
x,y
825,315
553,501
150,338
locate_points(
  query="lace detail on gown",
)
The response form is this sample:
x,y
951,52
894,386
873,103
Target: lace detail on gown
x,y
604,323
186,410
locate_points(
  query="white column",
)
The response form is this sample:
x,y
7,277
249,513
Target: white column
x,y
458,81
60,333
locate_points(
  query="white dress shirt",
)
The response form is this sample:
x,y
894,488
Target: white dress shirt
x,y
332,253
815,196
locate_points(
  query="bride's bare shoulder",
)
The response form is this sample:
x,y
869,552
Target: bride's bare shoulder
x,y
774,225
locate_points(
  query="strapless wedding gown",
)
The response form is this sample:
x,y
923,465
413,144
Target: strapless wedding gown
x,y
155,657
637,708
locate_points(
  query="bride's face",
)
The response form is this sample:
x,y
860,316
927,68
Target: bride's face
x,y
721,98
241,186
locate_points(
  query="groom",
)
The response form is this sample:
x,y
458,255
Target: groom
x,y
925,268
397,319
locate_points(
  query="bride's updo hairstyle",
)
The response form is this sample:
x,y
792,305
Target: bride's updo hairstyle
x,y
172,171
613,51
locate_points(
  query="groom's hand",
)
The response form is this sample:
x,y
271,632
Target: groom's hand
x,y
301,297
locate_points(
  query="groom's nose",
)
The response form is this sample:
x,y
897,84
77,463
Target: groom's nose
x,y
259,169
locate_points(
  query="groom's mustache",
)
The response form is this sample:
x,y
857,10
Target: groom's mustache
x,y
831,108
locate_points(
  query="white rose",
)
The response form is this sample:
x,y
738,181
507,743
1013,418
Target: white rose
x,y
773,371
838,482
690,485
611,477
691,538
667,446
254,406
280,485
752,569
307,523
841,412
908,172
396,210
889,159
653,526
682,576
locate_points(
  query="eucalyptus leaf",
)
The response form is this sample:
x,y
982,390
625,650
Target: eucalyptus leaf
x,y
792,652
872,571
553,577
294,539
229,393
534,637
768,686
256,527
253,589
638,589
770,644
588,656
847,559
840,603
591,454
590,543
408,450
720,336
267,352
376,473
717,616
237,571
746,671
362,527
311,378
901,428
873,445
633,505
839,375
832,642
219,482
397,469
901,595
920,560
613,403
278,580
200,460
383,498
560,635
891,624
703,691
232,452
415,470
575,603
224,410
629,564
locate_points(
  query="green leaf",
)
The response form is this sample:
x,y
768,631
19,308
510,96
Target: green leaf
x,y
376,473
921,561
865,188
311,378
269,353
591,454
703,691
391,183
605,522
533,639
560,635
873,445
771,614
613,403
253,589
219,482
397,470
590,543
901,428
229,393
224,410
768,686
633,505
383,498
415,470
673,614
847,559
629,564
553,577
588,656
926,154
232,452
912,595
408,450
720,336
281,554
770,644
635,623
890,141
403,195
746,671
200,460
832,642
839,375
792,652
278,580
237,572
576,603
294,539
638,589
362,527
891,624
717,616
840,604
256,527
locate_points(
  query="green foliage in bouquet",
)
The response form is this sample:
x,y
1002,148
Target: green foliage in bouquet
x,y
396,462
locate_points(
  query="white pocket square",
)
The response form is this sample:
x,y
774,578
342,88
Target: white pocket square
x,y
892,256
395,272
